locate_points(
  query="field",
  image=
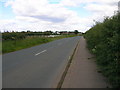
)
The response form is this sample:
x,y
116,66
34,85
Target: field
x,y
14,45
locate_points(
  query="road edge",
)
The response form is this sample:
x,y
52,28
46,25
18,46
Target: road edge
x,y
59,85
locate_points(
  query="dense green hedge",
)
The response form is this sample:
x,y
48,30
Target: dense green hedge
x,y
104,41
22,35
13,35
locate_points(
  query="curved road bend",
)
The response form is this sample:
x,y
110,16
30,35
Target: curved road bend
x,y
37,67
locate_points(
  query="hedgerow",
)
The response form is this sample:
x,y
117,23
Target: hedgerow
x,y
103,40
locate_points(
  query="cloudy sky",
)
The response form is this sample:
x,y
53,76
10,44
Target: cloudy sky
x,y
55,15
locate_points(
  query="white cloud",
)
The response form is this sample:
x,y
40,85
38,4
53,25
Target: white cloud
x,y
40,15
102,9
4,1
40,9
78,2
68,3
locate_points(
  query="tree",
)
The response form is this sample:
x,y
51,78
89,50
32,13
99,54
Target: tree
x,y
48,33
76,32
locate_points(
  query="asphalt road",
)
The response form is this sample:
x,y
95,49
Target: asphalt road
x,y
37,67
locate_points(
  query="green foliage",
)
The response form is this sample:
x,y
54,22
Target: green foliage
x,y
13,36
22,35
76,32
14,45
103,41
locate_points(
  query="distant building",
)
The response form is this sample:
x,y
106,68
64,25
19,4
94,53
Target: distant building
x,y
119,6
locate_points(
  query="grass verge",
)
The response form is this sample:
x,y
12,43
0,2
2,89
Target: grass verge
x,y
14,45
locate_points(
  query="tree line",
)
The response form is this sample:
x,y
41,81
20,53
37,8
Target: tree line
x,y
21,35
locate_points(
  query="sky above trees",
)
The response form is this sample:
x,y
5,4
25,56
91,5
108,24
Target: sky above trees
x,y
55,15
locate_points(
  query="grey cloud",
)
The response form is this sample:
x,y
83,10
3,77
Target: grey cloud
x,y
114,4
48,18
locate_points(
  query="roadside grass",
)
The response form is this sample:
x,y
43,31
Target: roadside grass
x,y
14,45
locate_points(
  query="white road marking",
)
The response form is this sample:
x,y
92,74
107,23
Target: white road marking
x,y
40,52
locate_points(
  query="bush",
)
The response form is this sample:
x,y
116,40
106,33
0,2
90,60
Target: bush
x,y
13,35
103,41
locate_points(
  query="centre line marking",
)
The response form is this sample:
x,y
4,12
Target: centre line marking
x,y
40,52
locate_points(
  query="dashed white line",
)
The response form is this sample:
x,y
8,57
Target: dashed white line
x,y
40,52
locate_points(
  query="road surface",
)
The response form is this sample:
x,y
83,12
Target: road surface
x,y
37,67
83,71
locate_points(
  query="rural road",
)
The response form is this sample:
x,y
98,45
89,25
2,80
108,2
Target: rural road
x,y
39,66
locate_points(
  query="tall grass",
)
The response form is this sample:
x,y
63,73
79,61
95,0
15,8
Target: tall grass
x,y
14,45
